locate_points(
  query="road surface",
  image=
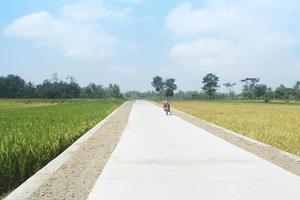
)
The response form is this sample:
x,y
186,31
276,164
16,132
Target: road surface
x,y
163,157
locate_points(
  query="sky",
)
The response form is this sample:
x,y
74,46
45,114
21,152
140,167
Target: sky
x,y
129,41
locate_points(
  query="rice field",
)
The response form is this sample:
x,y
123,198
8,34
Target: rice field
x,y
277,124
33,132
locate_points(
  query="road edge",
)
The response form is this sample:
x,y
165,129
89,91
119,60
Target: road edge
x,y
26,189
279,157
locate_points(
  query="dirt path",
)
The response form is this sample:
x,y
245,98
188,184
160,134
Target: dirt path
x,y
77,176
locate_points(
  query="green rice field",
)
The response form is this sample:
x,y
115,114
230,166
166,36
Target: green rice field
x,y
33,132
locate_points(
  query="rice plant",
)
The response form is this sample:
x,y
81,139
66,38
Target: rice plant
x,y
33,133
277,124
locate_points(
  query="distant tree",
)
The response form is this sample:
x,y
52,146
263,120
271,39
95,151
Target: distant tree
x,y
170,86
133,94
48,90
91,90
12,86
249,87
158,85
210,82
55,88
30,90
72,90
269,95
100,91
195,95
229,87
281,92
2,86
113,90
260,90
284,93
297,90
179,95
148,95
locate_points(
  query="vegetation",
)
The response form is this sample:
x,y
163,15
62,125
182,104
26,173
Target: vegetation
x,y
158,84
164,88
210,86
170,87
229,87
13,86
140,95
252,89
33,132
277,124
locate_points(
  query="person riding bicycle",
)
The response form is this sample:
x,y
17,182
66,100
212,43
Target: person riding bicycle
x,y
167,107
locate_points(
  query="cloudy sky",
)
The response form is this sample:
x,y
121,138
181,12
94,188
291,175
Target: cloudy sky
x,y
129,41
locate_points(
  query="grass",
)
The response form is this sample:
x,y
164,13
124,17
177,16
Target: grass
x,y
277,123
2,196
33,132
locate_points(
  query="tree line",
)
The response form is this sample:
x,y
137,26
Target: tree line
x,y
252,89
13,86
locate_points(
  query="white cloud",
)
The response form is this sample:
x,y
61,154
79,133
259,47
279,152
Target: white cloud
x,y
186,21
228,38
76,32
93,11
203,52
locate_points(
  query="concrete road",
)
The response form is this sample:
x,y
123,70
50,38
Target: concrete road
x,y
163,157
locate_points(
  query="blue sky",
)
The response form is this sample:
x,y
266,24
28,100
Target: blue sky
x,y
129,41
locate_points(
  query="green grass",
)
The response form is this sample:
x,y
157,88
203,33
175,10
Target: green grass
x,y
276,123
33,132
2,196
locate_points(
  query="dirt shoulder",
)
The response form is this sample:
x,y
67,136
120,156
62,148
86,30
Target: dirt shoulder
x,y
287,161
75,179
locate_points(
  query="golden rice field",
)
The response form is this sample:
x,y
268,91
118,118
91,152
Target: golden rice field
x,y
277,124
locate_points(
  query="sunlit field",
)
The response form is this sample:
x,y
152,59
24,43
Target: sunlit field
x,y
33,132
277,124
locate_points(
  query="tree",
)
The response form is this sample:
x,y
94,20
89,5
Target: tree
x,y
297,90
100,91
56,88
91,90
210,82
158,85
179,95
283,92
260,90
72,90
229,87
170,86
12,86
133,94
269,95
249,87
46,90
2,87
30,90
113,90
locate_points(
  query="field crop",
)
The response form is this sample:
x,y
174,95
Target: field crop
x,y
32,133
277,124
